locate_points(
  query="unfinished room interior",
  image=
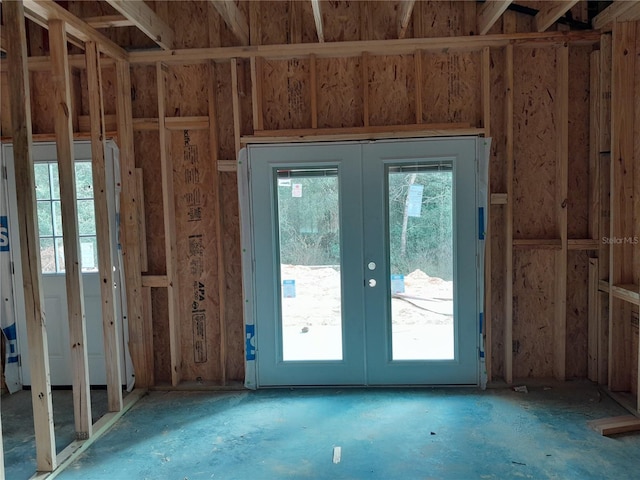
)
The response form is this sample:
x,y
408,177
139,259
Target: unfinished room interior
x,y
320,239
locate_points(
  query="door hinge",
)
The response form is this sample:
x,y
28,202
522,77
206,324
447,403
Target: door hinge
x,y
13,269
4,172
19,360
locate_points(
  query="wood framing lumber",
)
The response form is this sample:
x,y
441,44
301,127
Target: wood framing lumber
x,y
550,12
562,188
317,18
605,19
142,222
104,231
3,41
170,241
373,47
417,56
594,141
235,100
256,93
45,443
499,199
313,74
508,271
628,292
605,92
234,19
68,206
129,224
365,88
615,425
49,10
631,15
108,21
592,321
218,206
537,243
155,281
146,20
404,16
489,13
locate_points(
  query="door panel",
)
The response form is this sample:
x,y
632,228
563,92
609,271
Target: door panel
x,y
296,321
365,262
431,346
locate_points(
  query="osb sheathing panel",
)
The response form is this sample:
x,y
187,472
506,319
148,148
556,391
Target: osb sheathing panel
x,y
233,273
42,113
286,94
339,92
147,151
534,111
186,90
224,112
108,91
533,313
634,357
160,326
391,90
274,22
190,23
438,19
577,313
497,167
244,94
227,37
198,301
341,20
451,87
384,23
144,94
578,204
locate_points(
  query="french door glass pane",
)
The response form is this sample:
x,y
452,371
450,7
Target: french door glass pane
x,y
420,206
309,252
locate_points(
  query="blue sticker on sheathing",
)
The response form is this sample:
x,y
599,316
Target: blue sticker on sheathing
x,y
250,347
12,339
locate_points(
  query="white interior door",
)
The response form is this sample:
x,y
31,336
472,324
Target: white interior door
x,y
52,260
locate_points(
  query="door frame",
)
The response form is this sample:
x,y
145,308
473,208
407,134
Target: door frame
x,y
480,153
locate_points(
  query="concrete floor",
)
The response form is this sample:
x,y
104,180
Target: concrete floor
x,y
383,434
17,428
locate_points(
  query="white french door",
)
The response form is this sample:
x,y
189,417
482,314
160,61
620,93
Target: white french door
x,y
364,262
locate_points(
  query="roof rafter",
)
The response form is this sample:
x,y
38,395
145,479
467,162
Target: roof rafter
x,y
551,12
489,13
108,21
146,20
234,19
45,10
604,19
317,17
404,15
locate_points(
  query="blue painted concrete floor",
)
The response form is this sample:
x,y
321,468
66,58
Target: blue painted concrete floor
x,y
404,433
17,428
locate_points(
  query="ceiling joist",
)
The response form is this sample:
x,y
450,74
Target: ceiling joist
x,y
404,15
612,13
551,12
46,10
489,13
109,21
146,20
234,19
317,17
631,15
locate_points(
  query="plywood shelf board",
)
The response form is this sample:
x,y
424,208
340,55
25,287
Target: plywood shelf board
x,y
615,425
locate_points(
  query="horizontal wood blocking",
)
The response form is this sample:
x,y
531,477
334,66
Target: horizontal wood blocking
x,y
628,292
362,133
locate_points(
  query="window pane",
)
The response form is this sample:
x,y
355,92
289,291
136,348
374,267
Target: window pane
x,y
89,254
86,222
421,254
84,180
60,254
55,180
47,256
45,221
309,221
41,171
57,218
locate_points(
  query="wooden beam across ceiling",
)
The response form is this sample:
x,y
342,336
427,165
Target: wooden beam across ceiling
x,y
317,17
604,19
404,15
49,10
234,19
551,12
489,13
146,20
108,21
